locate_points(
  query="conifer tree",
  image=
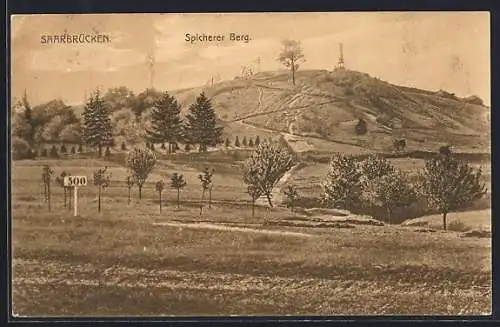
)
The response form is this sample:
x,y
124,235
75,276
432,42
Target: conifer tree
x,y
97,129
244,142
166,123
227,143
201,125
257,141
237,142
250,143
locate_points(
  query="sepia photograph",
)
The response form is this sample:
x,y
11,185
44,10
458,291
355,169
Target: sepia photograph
x,y
250,164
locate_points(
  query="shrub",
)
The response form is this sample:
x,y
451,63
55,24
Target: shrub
x,y
20,149
53,152
124,146
187,147
63,149
44,152
361,127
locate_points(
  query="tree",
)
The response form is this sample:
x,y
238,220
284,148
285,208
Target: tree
x,y
23,124
177,181
166,123
101,180
343,181
291,195
141,163
244,142
130,184
97,130
291,55
255,193
237,142
391,190
124,146
257,141
201,127
373,167
361,127
63,149
160,185
206,185
250,143
450,184
187,147
46,179
266,166
71,133
227,143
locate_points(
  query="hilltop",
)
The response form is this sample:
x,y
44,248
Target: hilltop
x,y
327,105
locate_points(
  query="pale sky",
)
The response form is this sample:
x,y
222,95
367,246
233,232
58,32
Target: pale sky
x,y
440,50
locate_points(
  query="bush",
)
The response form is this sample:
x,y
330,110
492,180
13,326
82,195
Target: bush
x,y
44,153
20,148
124,146
53,152
187,147
63,149
361,127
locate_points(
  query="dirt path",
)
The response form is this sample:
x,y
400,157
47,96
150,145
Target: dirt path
x,y
231,228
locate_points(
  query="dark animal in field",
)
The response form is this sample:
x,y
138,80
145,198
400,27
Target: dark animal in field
x,y
399,144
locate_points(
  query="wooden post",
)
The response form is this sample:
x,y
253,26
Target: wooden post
x,y
76,201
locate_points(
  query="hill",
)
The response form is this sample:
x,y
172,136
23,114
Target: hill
x,y
328,104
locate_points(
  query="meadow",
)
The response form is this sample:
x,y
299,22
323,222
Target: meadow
x,y
130,259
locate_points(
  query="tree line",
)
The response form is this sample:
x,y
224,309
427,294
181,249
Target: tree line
x,y
56,122
446,183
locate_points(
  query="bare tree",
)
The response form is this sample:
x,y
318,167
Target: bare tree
x,y
206,185
177,181
130,184
46,178
160,185
291,55
291,196
101,180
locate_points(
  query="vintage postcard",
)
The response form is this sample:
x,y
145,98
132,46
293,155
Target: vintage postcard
x,y
251,164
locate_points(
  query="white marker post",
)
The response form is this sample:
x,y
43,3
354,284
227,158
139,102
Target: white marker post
x,y
75,182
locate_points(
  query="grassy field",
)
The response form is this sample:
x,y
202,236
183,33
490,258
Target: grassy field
x,y
134,260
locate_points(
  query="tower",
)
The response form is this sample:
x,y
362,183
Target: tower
x,y
340,64
151,67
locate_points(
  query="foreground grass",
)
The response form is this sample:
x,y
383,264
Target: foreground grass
x,y
118,263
